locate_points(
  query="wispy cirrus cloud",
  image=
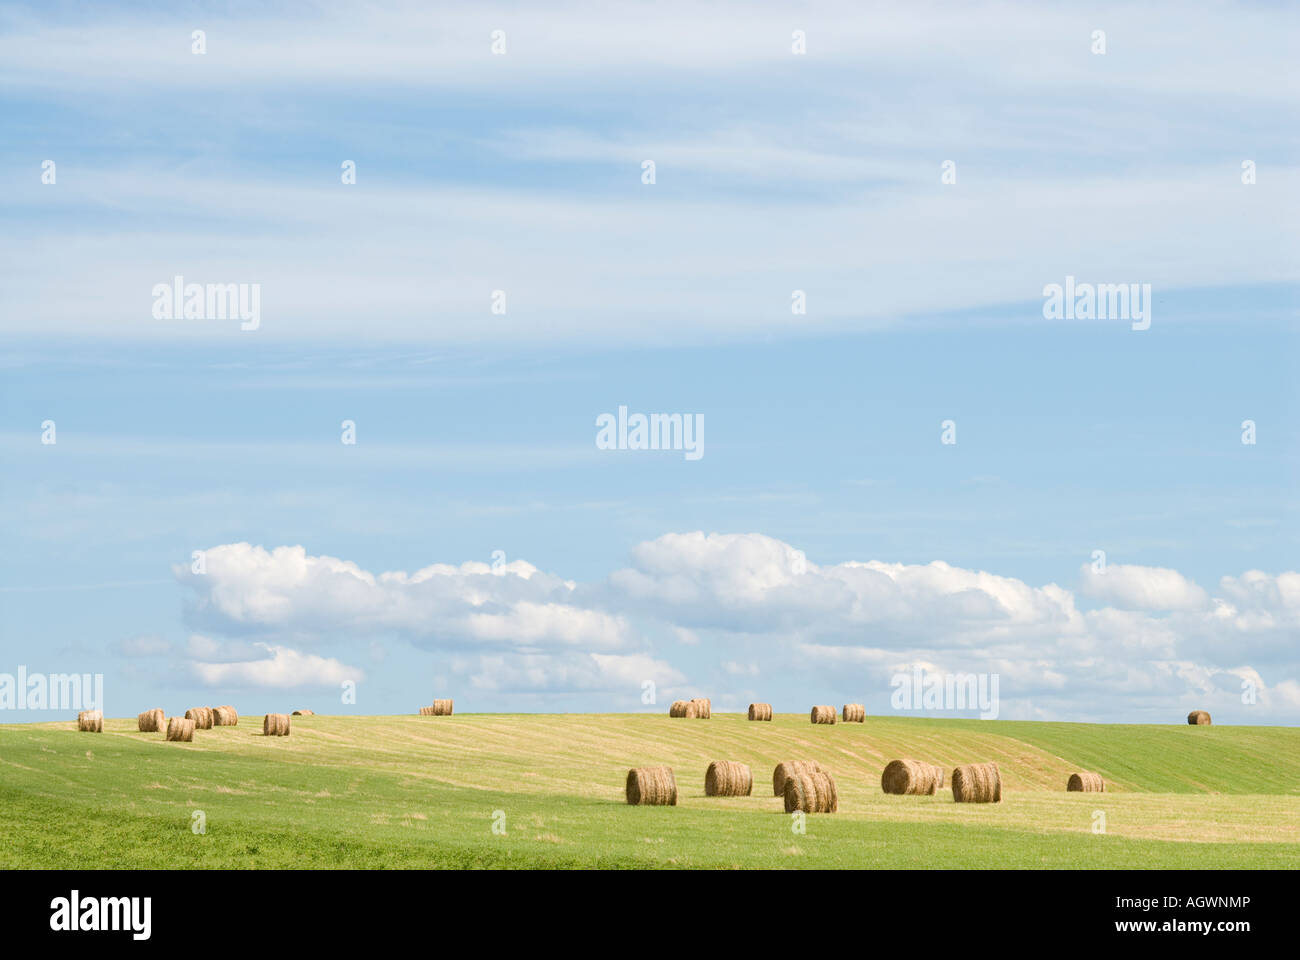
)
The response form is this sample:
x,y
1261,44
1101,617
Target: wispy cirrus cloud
x,y
551,208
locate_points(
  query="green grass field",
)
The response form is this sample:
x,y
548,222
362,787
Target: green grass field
x,y
422,792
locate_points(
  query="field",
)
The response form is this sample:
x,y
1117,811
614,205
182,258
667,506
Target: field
x,y
427,791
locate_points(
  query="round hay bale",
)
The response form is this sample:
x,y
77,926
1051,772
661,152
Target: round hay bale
x,y
1198,718
304,713
728,778
703,708
911,777
823,715
811,793
442,708
654,786
275,725
202,717
787,769
977,783
855,713
1085,782
151,721
224,716
426,711
179,728
760,711
90,721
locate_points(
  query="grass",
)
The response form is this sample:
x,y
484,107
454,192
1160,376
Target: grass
x,y
425,792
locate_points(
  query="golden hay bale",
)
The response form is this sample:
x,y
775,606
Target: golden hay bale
x,y
202,717
685,708
823,715
426,711
224,716
275,725
654,786
304,713
788,769
728,778
442,708
90,721
151,721
760,711
911,777
855,713
179,728
811,793
1085,782
1198,718
703,707
977,783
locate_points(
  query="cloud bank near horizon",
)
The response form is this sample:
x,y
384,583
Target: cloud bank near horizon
x,y
730,614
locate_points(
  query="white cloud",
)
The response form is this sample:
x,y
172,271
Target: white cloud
x,y
756,583
1100,166
1141,588
746,605
623,674
248,587
282,669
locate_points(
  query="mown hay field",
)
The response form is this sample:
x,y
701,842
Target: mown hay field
x,y
526,790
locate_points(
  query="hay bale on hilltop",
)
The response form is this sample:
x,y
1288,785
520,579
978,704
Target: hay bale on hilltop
x,y
224,716
977,783
426,711
275,725
703,708
1198,718
151,721
911,778
811,793
728,778
652,786
90,721
855,713
1085,782
760,711
443,708
787,769
181,729
202,717
307,713
823,715
684,708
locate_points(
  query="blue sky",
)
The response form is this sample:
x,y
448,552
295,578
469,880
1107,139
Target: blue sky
x,y
475,430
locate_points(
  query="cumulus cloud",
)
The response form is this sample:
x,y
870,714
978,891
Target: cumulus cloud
x,y
1141,588
736,606
280,668
251,589
753,582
